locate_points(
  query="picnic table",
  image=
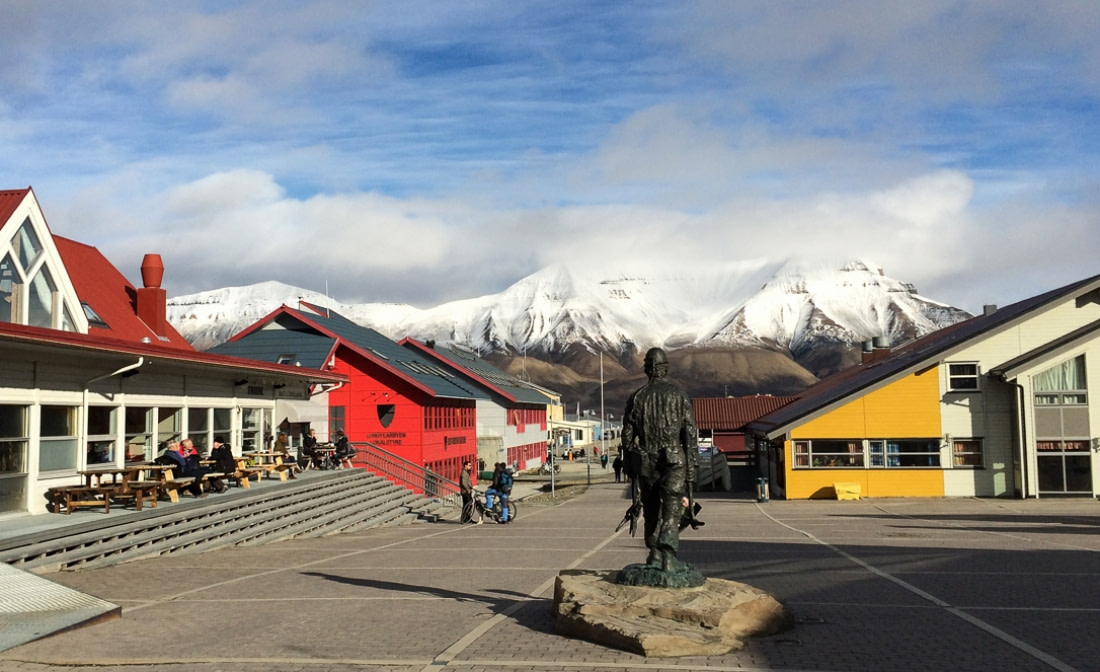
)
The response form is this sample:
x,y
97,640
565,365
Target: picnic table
x,y
269,462
126,483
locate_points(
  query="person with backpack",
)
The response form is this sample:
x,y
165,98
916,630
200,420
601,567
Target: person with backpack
x,y
506,480
494,486
344,450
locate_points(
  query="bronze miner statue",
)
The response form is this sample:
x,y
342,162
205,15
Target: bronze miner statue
x,y
661,460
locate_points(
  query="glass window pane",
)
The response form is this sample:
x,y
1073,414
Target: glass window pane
x,y
101,420
40,299
57,454
26,245
13,493
101,452
11,292
13,457
58,421
168,424
67,322
13,421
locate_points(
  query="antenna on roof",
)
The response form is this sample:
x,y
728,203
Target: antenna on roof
x,y
328,301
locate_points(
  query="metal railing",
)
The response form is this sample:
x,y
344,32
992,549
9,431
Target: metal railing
x,y
397,469
713,471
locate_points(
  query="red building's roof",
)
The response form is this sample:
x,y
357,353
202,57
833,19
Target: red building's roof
x,y
10,200
733,413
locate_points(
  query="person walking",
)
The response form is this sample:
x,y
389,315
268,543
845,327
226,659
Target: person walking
x,y
466,489
617,465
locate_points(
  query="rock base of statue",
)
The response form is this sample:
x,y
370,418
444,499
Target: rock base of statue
x,y
685,576
708,620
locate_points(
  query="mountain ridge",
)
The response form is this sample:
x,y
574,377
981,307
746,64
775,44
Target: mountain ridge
x,y
796,321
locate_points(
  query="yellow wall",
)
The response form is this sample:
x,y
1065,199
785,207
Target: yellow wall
x,y
818,483
908,408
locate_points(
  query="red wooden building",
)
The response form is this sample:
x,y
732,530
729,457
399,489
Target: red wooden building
x,y
395,399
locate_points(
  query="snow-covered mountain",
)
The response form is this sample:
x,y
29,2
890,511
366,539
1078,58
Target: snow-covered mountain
x,y
775,305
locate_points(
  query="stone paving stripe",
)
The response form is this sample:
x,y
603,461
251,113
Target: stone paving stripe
x,y
32,607
280,570
973,620
447,655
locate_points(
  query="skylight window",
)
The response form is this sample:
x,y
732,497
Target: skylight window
x,y
93,317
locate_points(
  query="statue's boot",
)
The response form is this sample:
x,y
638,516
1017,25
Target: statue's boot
x,y
670,563
655,558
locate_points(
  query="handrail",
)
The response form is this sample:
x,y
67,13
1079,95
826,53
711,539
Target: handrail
x,y
711,471
408,474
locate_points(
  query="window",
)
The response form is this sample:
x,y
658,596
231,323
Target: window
x,y
13,457
42,300
828,453
913,453
26,244
962,377
11,291
101,435
255,428
139,433
93,317
967,453
285,359
335,420
881,453
198,428
28,292
223,423
57,444
168,424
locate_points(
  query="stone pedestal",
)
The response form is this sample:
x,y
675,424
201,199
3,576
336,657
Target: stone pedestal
x,y
707,620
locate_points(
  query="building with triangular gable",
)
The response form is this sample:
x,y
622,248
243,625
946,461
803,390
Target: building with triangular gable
x,y
512,421
92,373
1001,405
396,398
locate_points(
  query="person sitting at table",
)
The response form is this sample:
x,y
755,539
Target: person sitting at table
x,y
307,454
195,468
283,451
343,449
222,455
174,457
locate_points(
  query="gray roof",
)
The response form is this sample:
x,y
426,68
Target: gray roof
x,y
309,348
317,334
490,377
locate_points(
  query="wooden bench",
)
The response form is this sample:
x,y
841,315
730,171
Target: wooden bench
x,y
138,491
77,496
171,486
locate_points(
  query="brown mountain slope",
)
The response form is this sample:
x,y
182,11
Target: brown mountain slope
x,y
702,372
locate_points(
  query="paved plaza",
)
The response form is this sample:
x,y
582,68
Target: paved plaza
x,y
876,585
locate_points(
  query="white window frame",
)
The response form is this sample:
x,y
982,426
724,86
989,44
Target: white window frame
x,y
953,378
979,450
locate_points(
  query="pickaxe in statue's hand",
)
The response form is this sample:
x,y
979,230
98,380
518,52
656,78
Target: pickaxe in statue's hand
x,y
691,513
634,512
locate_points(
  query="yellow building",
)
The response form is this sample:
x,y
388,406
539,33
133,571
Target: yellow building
x,y
996,406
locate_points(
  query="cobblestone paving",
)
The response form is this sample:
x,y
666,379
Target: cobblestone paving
x,y
876,585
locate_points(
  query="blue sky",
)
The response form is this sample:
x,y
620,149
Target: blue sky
x,y
429,151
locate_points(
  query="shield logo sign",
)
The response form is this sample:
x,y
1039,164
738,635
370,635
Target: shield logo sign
x,y
385,414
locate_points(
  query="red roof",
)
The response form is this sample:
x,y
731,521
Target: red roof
x,y
734,412
10,200
105,344
110,295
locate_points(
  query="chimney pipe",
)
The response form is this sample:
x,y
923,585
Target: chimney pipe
x,y
866,354
989,309
152,301
881,346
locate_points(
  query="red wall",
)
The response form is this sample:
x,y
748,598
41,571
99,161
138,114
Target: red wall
x,y
370,386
